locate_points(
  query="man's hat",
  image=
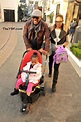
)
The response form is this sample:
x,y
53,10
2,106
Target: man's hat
x,y
36,13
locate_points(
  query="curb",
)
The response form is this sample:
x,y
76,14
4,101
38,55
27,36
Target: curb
x,y
75,62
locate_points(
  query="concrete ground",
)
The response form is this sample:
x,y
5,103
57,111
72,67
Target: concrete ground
x,y
62,106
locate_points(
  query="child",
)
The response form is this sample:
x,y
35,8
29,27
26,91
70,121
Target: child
x,y
34,78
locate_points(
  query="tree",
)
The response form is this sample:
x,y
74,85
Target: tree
x,y
24,8
20,13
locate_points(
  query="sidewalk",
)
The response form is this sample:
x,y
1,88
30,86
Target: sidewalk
x,y
62,106
8,41
75,62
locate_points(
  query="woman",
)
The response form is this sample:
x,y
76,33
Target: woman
x,y
58,37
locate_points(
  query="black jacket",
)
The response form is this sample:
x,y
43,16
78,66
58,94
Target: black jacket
x,y
62,37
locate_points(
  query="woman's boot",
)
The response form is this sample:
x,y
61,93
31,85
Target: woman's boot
x,y
54,87
50,65
55,77
50,70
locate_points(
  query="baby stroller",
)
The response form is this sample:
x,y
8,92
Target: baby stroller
x,y
37,90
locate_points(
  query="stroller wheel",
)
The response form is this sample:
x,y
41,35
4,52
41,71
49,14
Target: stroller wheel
x,y
43,91
23,108
28,108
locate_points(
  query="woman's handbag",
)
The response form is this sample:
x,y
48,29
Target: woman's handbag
x,y
61,55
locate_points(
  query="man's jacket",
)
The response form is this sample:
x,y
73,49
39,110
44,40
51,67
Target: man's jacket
x,y
43,34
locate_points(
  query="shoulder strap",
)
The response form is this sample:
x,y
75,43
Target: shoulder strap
x,y
53,35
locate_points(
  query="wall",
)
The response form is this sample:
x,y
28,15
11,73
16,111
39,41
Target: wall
x,y
9,4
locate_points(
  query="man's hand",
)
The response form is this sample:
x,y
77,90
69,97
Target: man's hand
x,y
43,51
28,49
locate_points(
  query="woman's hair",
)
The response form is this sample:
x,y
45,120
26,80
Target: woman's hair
x,y
61,16
35,55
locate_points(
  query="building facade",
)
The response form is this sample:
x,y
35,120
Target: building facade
x,y
68,8
9,10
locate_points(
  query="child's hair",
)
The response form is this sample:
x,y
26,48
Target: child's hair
x,y
35,55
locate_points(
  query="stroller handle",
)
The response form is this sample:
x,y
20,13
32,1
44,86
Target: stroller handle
x,y
26,71
24,53
46,57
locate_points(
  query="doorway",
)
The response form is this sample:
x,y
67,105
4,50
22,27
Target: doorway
x,y
9,15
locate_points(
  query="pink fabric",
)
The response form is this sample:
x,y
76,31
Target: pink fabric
x,y
18,83
30,86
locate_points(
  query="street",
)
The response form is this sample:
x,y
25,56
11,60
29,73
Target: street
x,y
62,106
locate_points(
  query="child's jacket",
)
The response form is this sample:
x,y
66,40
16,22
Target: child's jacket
x,y
34,78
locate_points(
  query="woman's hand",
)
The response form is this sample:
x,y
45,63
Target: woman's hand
x,y
43,51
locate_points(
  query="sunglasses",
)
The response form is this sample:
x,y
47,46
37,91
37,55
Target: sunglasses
x,y
58,21
34,17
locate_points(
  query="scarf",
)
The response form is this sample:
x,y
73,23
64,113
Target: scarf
x,y
34,29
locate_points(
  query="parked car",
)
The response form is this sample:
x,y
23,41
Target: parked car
x,y
24,19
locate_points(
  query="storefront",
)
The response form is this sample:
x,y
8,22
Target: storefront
x,y
73,11
9,10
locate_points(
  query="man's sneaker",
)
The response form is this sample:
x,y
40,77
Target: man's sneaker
x,y
53,87
15,92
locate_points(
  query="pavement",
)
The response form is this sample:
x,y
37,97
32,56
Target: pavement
x,y
7,41
62,106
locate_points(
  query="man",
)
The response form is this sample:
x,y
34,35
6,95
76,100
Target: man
x,y
36,32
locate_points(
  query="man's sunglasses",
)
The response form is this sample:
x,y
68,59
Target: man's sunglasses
x,y
34,17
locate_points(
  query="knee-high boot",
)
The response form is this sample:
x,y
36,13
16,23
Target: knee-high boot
x,y
50,65
55,78
50,69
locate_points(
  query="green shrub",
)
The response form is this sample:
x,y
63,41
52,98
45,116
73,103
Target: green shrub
x,y
77,52
51,17
76,49
79,44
